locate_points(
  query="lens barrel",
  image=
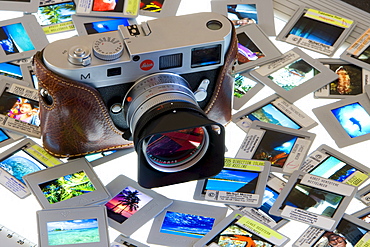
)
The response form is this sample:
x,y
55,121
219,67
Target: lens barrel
x,y
154,90
176,150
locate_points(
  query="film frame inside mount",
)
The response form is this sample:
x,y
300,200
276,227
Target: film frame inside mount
x,y
313,200
21,159
169,227
350,231
17,71
359,51
364,195
146,204
254,48
64,23
119,8
72,184
261,214
294,75
20,38
244,12
363,214
316,30
275,110
19,107
237,228
83,227
329,163
284,147
348,120
159,8
86,25
240,182
245,87
27,6
8,137
351,81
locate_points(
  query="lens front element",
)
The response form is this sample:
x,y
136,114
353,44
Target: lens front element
x,y
177,150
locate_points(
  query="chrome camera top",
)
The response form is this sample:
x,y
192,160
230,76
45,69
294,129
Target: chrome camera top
x,y
180,44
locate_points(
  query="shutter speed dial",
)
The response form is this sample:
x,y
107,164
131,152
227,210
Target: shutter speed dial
x,y
108,48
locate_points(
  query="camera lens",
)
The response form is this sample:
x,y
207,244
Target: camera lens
x,y
154,90
177,150
175,140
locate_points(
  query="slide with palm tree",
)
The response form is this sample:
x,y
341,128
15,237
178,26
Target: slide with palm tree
x,y
56,17
126,203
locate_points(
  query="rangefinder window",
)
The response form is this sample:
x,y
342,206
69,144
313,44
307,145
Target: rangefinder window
x,y
205,56
170,61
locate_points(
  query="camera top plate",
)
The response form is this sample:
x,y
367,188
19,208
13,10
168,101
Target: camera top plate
x,y
204,51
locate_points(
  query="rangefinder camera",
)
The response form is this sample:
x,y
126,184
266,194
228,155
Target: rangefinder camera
x,y
156,80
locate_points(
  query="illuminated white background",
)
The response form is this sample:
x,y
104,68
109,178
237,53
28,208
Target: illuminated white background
x,y
19,215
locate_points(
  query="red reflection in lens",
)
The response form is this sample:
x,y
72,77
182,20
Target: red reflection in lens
x,y
170,148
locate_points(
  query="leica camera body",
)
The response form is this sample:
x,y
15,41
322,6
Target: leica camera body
x,y
157,81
